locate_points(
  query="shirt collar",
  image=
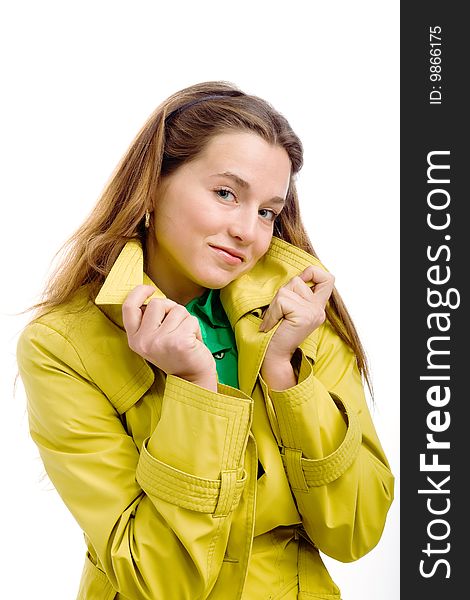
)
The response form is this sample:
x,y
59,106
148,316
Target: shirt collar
x,y
254,289
209,308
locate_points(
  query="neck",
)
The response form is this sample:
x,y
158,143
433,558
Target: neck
x,y
162,273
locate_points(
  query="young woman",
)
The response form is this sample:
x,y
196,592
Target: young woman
x,y
195,385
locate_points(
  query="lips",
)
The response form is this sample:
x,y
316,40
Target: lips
x,y
229,251
229,255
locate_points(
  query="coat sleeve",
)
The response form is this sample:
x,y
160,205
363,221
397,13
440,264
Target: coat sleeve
x,y
335,464
158,520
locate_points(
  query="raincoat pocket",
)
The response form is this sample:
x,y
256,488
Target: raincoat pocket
x,y
94,584
315,582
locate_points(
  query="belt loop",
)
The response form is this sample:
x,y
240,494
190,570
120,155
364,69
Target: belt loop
x,y
227,492
294,468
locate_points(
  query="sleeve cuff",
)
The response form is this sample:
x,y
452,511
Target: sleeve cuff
x,y
218,497
318,434
194,458
305,473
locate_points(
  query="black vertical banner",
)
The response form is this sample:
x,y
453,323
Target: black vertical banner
x,y
435,331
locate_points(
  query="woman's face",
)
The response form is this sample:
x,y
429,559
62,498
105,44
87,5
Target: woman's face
x,y
214,216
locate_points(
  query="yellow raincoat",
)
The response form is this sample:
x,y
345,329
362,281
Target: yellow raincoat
x,y
162,475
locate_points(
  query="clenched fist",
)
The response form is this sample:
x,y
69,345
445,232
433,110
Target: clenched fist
x,y
167,335
301,310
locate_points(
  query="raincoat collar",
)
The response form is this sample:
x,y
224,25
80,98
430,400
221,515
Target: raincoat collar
x,y
253,290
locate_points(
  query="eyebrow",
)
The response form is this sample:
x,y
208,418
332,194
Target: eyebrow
x,y
244,184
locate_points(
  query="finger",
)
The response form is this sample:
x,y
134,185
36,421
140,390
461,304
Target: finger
x,y
131,313
281,306
298,285
190,325
155,314
315,274
174,318
323,281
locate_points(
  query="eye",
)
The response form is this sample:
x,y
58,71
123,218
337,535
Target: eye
x,y
225,194
267,214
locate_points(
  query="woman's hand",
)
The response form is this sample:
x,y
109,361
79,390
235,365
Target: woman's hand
x,y
167,335
301,310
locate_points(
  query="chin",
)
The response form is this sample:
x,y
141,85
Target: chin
x,y
218,282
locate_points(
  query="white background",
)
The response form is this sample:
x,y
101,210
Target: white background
x,y
78,81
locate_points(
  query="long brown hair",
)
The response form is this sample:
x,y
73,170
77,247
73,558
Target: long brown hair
x,y
174,134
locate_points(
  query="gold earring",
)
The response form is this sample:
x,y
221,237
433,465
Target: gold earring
x,y
147,219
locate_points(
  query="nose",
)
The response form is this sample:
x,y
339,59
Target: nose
x,y
243,225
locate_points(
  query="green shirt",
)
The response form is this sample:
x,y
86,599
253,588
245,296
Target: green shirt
x,y
217,334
